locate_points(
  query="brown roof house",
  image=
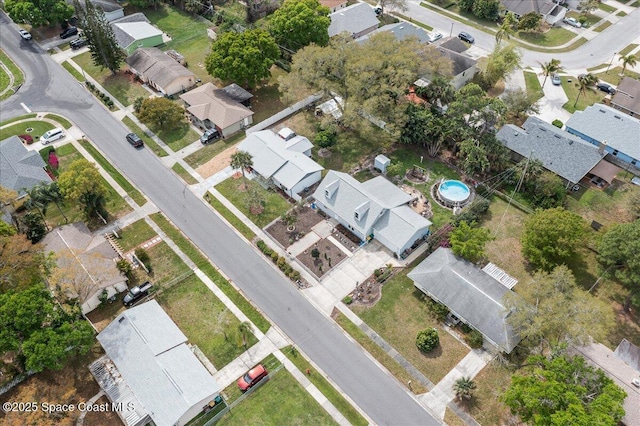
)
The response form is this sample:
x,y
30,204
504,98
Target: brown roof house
x,y
160,71
86,265
627,97
210,107
334,5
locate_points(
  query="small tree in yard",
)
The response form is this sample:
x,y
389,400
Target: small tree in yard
x,y
464,387
81,182
289,219
427,339
468,241
255,201
143,257
161,113
242,160
244,328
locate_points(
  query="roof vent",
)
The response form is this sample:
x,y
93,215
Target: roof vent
x,y
618,117
602,111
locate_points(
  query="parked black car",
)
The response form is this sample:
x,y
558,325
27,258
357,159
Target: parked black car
x,y
209,136
71,31
466,37
134,140
78,43
606,88
137,293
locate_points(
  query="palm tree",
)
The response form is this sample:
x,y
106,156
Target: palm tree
x,y
585,82
507,28
629,60
548,68
38,201
463,388
52,194
244,328
241,160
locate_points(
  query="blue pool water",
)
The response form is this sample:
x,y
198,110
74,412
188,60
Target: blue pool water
x,y
454,191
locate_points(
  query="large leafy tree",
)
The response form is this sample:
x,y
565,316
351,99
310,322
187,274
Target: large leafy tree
x,y
21,262
161,113
486,9
245,58
82,183
529,21
551,237
104,48
564,390
400,5
39,12
500,63
619,254
468,241
34,226
298,23
519,103
552,310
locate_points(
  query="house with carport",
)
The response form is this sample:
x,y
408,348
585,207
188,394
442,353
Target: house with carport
x,y
375,209
160,71
134,31
472,295
149,372
283,160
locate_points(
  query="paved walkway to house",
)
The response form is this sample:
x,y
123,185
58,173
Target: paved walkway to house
x,y
552,102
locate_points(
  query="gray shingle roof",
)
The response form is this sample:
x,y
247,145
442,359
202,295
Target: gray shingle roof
x,y
151,355
522,7
566,155
470,293
352,19
400,30
237,93
157,66
628,95
453,43
603,123
121,28
461,63
20,168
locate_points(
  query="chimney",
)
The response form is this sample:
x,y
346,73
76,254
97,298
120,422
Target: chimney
x,y
601,147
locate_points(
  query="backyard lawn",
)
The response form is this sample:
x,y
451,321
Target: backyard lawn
x,y
399,315
274,205
280,401
38,128
205,320
586,99
178,137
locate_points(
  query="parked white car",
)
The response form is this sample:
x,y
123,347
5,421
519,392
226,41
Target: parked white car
x,y
52,136
434,37
573,22
25,34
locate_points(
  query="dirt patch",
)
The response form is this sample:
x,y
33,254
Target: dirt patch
x,y
369,292
103,418
307,219
217,163
330,255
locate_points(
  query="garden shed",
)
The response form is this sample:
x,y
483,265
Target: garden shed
x,y
381,163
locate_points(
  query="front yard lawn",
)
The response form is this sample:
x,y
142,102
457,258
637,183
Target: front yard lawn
x,y
208,152
176,138
150,143
486,406
614,75
205,320
534,89
399,315
184,174
586,99
230,217
274,206
18,77
167,267
38,128
556,36
280,401
135,234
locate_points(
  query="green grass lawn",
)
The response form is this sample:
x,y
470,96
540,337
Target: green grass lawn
x,y
135,234
148,141
74,72
39,128
61,120
207,152
586,99
166,264
614,77
621,13
176,138
534,89
22,117
399,315
275,204
184,174
266,101
486,406
628,49
606,8
119,86
418,23
323,385
230,217
18,77
114,173
205,320
203,263
556,36
602,27
591,20
281,401
4,80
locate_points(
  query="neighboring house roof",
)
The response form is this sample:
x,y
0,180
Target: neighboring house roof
x,y
207,102
89,256
20,168
381,206
237,93
620,372
522,7
460,62
470,293
153,359
629,353
352,19
332,3
131,28
157,66
400,30
628,95
272,158
452,43
603,123
564,154
106,5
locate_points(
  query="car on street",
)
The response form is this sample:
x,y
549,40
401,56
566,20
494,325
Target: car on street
x,y
604,87
466,37
134,140
573,22
25,34
71,31
211,135
252,377
78,43
555,79
434,37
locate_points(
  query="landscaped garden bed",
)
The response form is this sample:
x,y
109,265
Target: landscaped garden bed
x,y
306,219
321,257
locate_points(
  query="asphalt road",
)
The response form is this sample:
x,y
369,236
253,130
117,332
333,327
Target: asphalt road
x,y
49,87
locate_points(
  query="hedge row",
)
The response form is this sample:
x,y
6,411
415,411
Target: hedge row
x,y
103,97
279,260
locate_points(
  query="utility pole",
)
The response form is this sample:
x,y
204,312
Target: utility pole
x,y
609,66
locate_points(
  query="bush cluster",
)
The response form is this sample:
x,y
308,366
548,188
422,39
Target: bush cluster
x,y
472,214
474,339
326,138
427,339
102,96
557,123
279,260
143,257
438,310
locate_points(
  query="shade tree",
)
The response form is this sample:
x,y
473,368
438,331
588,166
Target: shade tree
x,y
298,23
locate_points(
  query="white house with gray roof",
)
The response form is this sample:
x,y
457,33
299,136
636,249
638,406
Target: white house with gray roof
x,y
284,162
560,152
372,209
471,294
20,168
150,370
134,31
617,133
357,20
160,71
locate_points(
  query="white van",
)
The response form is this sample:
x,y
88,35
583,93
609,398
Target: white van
x,y
52,136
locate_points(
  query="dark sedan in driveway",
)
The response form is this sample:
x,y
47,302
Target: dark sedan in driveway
x,y
607,88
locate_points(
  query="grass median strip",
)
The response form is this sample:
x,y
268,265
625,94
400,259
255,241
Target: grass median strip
x,y
603,26
61,120
146,138
18,77
379,354
184,174
203,263
115,174
628,49
74,72
323,385
13,120
230,217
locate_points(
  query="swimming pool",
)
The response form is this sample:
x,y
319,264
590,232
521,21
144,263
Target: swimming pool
x,y
454,192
